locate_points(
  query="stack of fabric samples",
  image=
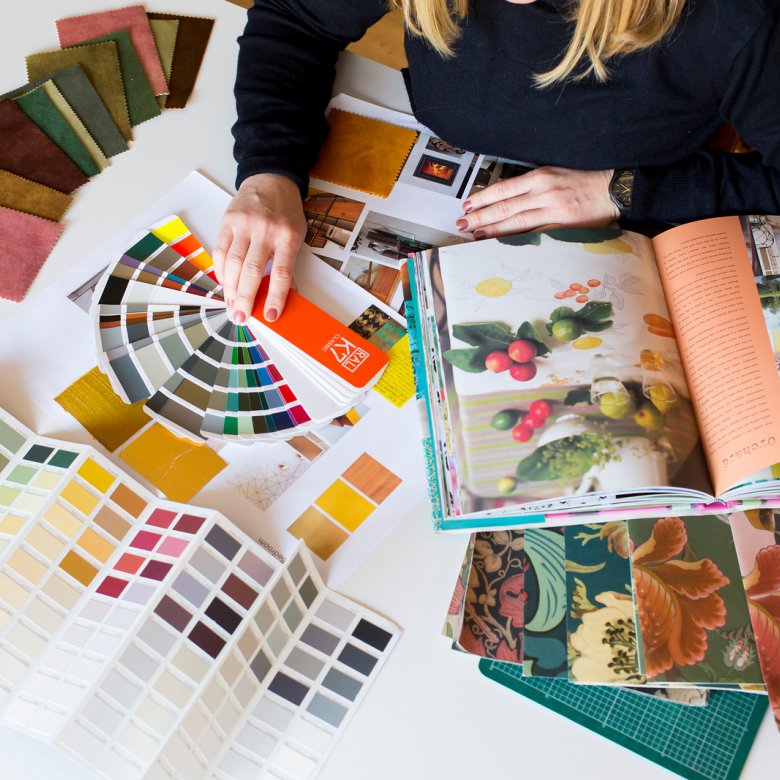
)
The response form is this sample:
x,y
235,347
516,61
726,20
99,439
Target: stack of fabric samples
x,y
115,70
164,335
673,606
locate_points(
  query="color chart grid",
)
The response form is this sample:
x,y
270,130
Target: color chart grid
x,y
146,638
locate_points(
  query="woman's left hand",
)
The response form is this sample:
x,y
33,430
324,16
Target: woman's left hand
x,y
542,198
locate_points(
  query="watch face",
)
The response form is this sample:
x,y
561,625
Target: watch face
x,y
620,189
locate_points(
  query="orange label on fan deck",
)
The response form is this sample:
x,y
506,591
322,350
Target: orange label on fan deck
x,y
323,338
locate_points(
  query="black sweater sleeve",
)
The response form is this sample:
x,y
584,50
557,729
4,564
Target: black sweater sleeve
x,y
286,67
714,183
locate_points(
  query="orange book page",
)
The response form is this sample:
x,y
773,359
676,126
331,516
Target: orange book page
x,y
729,363
323,338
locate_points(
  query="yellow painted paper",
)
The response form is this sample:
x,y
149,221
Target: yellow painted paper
x,y
97,476
345,505
322,537
92,401
397,382
179,468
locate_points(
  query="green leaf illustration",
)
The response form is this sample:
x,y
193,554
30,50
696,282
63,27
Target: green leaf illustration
x,y
595,327
493,334
470,359
595,311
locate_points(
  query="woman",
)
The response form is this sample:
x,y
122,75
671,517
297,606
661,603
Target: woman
x,y
615,100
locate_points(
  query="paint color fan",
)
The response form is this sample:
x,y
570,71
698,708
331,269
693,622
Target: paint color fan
x,y
164,336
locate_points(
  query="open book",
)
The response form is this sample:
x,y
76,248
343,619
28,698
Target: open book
x,y
569,372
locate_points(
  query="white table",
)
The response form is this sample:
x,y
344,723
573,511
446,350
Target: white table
x,y
430,713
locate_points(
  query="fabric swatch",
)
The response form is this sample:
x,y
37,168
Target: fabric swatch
x,y
191,42
75,86
363,154
93,402
72,118
41,109
27,241
27,151
101,64
453,622
164,32
141,101
78,29
21,194
177,467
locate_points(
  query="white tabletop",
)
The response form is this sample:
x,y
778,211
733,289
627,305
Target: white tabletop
x,y
430,714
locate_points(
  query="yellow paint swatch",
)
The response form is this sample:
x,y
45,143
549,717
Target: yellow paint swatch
x,y
78,568
322,537
345,505
97,476
46,480
79,497
44,543
62,520
92,401
177,467
95,545
26,566
397,382
11,524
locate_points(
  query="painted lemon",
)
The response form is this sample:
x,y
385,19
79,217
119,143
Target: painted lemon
x,y
587,342
614,246
494,287
662,397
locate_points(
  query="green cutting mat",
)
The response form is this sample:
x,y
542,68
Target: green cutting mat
x,y
709,742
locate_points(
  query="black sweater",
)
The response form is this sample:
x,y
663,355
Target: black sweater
x,y
656,113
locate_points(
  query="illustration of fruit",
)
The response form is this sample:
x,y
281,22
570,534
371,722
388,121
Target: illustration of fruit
x,y
649,417
587,342
659,326
522,372
521,351
533,422
663,397
522,432
494,287
566,329
581,299
540,409
616,406
505,419
561,313
612,246
497,361
594,283
506,485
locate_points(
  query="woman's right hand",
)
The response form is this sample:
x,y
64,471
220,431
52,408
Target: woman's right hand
x,y
263,222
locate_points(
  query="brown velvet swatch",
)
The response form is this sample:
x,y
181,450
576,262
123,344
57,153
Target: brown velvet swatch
x,y
27,151
101,63
362,153
191,42
21,194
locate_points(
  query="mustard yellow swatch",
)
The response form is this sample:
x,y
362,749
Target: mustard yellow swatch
x,y
322,537
345,505
363,154
28,196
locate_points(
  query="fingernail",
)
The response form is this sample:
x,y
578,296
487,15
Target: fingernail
x,y
479,234
462,224
271,314
239,317
467,206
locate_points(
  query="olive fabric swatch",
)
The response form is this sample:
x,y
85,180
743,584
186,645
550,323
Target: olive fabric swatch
x,y
27,241
164,32
191,42
75,86
78,29
100,61
72,118
362,153
141,101
41,109
27,151
21,194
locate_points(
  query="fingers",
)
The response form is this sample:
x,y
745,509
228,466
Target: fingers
x,y
501,190
532,219
281,279
252,270
221,247
234,261
515,215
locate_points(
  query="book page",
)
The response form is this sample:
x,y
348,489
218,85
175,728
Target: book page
x,y
728,358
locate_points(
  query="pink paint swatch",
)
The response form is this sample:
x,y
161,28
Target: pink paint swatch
x,y
77,29
26,242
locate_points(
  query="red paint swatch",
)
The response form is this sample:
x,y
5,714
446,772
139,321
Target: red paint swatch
x,y
112,587
26,242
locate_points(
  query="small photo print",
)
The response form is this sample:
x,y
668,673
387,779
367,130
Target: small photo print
x,y
331,222
383,282
436,169
439,145
493,169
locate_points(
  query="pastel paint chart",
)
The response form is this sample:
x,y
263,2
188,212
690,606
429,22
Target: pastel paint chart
x,y
145,638
163,336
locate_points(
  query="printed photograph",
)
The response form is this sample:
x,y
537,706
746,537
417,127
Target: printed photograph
x,y
331,221
436,169
439,145
493,169
382,281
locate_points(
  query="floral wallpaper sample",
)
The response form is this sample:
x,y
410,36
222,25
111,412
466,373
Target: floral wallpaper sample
x,y
453,623
692,608
495,597
602,636
757,535
545,647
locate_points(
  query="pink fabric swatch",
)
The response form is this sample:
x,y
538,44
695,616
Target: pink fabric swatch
x,y
25,243
77,29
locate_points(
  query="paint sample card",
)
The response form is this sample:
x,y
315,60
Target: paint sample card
x,y
164,337
145,638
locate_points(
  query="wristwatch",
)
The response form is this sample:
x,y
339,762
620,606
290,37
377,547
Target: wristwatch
x,y
620,187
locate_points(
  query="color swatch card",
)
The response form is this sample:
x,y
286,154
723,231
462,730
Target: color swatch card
x,y
145,638
163,335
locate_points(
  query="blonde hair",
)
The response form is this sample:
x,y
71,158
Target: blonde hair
x,y
603,29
